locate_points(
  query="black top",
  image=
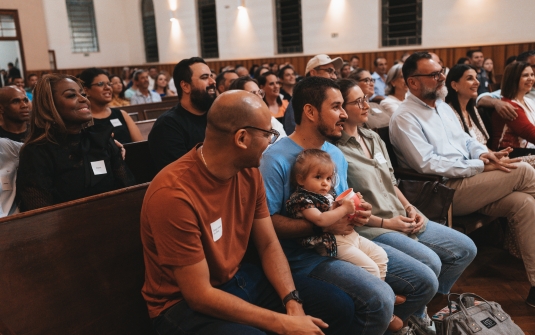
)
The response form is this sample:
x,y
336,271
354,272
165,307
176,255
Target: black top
x,y
12,136
484,83
52,173
286,95
120,131
175,133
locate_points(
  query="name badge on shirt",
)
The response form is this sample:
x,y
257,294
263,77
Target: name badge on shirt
x,y
377,110
217,229
116,122
486,84
380,158
98,167
6,183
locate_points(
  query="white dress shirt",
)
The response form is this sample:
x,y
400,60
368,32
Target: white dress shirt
x,y
429,140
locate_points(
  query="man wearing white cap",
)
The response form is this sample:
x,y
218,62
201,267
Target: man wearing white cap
x,y
318,66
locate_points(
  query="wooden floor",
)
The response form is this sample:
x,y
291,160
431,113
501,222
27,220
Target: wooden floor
x,y
496,276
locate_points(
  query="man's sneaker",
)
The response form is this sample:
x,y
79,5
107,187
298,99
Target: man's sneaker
x,y
405,331
531,297
422,326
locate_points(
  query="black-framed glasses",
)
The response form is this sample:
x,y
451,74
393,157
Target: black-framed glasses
x,y
102,83
360,101
434,75
367,80
274,135
260,93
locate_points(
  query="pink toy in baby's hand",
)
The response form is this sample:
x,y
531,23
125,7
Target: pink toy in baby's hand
x,y
349,194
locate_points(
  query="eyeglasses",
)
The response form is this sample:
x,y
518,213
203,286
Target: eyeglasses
x,y
274,135
102,83
367,80
260,93
360,101
435,75
329,70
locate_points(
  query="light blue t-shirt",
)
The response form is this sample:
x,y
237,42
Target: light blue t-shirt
x,y
275,166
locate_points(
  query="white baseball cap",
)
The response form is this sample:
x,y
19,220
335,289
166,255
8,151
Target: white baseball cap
x,y
323,59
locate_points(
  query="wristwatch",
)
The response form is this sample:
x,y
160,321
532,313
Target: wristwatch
x,y
294,295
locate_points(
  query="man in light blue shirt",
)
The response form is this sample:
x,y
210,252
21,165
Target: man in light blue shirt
x,y
379,75
428,138
143,95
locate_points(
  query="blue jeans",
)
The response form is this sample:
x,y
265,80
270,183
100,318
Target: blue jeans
x,y
444,251
369,300
250,284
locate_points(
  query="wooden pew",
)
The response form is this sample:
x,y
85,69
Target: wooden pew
x,y
139,161
145,127
140,108
154,113
75,268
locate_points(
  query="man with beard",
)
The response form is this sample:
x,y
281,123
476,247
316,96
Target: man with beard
x,y
426,137
15,111
179,129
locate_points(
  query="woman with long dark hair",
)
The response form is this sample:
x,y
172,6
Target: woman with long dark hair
x,y
65,157
117,90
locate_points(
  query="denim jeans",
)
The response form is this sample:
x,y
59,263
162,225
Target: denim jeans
x,y
444,251
369,300
250,284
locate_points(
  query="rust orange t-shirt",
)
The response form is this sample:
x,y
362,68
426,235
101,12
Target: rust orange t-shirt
x,y
189,215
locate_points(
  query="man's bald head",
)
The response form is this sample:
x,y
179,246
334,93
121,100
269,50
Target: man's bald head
x,y
7,93
236,109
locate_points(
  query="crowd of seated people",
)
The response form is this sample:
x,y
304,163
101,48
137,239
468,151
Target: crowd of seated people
x,y
208,148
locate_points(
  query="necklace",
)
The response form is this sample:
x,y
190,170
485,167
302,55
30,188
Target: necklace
x,y
202,156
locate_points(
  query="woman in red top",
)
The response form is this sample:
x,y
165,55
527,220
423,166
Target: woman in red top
x,y
517,81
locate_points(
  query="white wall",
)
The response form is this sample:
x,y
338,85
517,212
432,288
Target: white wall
x,y
119,34
10,53
251,33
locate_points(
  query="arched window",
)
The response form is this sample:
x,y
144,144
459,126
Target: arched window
x,y
149,31
82,23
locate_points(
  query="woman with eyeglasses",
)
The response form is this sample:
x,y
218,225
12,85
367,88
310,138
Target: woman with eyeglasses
x,y
251,85
65,157
394,221
98,88
396,89
117,90
269,82
377,115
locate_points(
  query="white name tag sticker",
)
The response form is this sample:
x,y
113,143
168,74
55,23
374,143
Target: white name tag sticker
x,y
486,84
217,229
6,183
380,158
116,122
98,167
377,110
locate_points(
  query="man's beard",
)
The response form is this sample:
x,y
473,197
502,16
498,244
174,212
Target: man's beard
x,y
434,93
201,99
323,129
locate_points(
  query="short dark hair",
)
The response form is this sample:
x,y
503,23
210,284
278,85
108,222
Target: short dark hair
x,y
346,84
239,83
376,59
510,59
182,72
511,78
357,57
411,64
523,57
462,60
88,75
310,90
283,69
221,77
10,64
136,74
31,75
262,80
470,53
357,74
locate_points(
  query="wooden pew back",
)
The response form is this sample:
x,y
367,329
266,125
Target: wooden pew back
x,y
156,105
145,127
75,268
